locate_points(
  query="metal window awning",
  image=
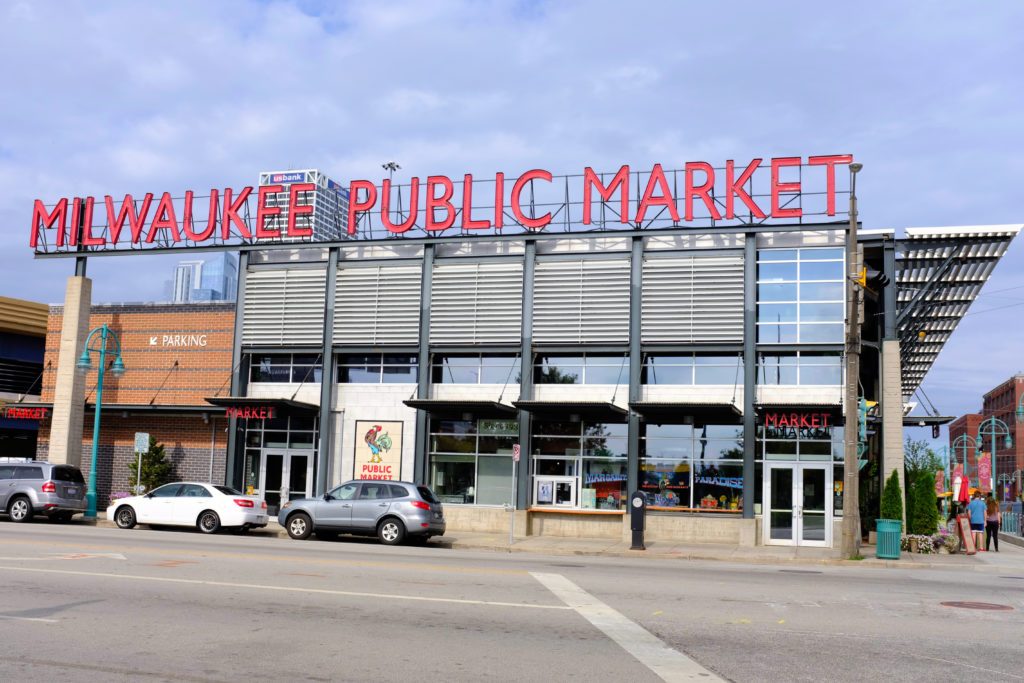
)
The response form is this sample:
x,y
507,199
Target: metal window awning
x,y
260,402
939,274
573,410
676,412
926,420
459,408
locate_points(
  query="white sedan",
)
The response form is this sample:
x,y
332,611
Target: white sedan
x,y
207,507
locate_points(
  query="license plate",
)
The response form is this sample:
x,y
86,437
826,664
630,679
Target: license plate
x,y
437,515
72,491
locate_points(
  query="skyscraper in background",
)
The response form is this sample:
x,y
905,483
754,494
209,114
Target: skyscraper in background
x,y
215,279
329,219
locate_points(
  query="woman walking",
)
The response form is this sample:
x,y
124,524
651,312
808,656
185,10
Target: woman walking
x,y
992,519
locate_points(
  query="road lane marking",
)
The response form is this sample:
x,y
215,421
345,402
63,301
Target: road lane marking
x,y
668,664
241,556
48,621
286,589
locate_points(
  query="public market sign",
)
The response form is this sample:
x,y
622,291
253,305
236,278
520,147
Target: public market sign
x,y
783,189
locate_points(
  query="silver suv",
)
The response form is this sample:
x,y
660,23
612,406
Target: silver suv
x,y
35,487
391,510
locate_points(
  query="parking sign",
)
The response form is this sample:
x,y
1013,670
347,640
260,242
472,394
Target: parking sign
x,y
141,442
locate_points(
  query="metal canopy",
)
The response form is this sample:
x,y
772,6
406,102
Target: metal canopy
x,y
259,402
456,407
939,274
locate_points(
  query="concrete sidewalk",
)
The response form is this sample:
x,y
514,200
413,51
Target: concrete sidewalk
x,y
1011,559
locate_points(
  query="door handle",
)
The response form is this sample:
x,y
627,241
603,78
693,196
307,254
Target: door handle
x,y
382,505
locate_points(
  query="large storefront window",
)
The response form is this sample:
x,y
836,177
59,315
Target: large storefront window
x,y
285,367
693,467
377,368
588,368
802,367
476,369
471,460
800,296
579,464
692,368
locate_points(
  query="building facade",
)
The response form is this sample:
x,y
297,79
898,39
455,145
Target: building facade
x,y
176,356
22,344
972,433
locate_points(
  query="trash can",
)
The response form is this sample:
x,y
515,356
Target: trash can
x,y
888,532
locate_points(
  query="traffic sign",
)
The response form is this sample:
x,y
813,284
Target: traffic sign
x,y
515,452
141,442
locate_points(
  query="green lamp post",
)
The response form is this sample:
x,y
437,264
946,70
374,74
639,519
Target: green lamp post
x,y
964,442
83,366
994,427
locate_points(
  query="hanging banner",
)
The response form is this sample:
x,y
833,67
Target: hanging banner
x,y
940,483
378,450
985,472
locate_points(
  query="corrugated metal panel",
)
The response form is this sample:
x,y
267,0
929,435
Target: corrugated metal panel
x,y
377,305
693,299
476,303
581,301
284,307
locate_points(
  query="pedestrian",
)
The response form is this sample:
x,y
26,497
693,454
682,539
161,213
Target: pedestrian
x,y
992,519
976,509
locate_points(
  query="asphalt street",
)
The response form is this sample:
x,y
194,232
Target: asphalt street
x,y
84,603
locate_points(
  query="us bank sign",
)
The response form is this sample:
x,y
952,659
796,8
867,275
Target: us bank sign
x,y
784,190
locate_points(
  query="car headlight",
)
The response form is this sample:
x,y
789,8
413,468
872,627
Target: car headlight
x,y
286,505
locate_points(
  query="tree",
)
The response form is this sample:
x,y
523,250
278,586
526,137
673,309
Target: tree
x,y
156,470
892,498
922,517
919,457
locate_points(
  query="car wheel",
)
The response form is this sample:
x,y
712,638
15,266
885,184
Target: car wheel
x,y
391,531
20,509
208,522
299,526
124,517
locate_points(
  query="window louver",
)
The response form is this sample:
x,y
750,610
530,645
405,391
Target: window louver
x,y
581,301
284,307
377,305
476,303
693,299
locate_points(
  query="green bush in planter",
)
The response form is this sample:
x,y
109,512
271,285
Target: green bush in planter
x,y
923,516
892,498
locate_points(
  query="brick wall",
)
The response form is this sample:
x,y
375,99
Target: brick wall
x,y
149,350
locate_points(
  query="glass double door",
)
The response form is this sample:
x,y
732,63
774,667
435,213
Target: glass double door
x,y
285,475
799,504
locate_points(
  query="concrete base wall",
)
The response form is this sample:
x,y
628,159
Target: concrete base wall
x,y
665,528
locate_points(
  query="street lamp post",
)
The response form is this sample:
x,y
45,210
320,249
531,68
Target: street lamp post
x,y
965,441
851,471
1004,481
83,365
993,427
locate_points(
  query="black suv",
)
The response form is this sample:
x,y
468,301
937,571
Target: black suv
x,y
35,487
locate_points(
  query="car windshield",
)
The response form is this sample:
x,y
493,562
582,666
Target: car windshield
x,y
427,494
228,491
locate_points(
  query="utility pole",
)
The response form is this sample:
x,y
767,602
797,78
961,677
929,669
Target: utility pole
x,y
851,471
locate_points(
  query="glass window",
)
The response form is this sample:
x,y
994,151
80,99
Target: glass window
x,y
285,367
476,369
344,492
377,369
717,369
471,461
166,491
674,457
399,491
800,296
667,370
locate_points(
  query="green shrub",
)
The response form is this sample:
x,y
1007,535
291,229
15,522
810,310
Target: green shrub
x,y
923,515
156,470
892,498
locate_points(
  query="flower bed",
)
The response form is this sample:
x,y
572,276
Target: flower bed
x,y
940,541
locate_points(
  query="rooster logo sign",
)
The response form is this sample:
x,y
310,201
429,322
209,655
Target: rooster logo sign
x,y
377,442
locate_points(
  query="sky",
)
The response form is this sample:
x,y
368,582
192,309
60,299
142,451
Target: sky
x,y
107,97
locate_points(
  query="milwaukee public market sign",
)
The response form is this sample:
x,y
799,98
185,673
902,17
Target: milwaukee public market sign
x,y
785,189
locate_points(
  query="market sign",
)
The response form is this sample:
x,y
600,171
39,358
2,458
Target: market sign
x,y
250,412
783,189
791,425
17,413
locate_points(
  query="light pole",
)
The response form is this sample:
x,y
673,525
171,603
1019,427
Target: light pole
x,y
963,442
851,472
1004,480
83,366
993,427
